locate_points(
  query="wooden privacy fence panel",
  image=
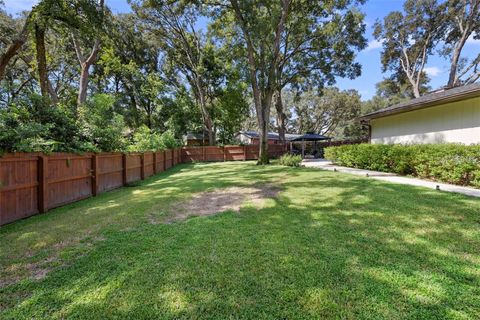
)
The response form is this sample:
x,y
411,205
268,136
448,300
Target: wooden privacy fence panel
x,y
68,179
234,153
276,150
192,154
251,152
148,164
109,171
133,167
168,159
228,153
32,183
160,161
19,187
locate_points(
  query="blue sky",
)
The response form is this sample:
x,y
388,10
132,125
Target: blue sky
x,y
437,67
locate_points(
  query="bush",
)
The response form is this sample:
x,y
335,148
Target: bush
x,y
101,126
33,124
450,163
145,139
290,160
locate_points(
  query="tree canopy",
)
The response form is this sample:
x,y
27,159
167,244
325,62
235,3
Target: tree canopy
x,y
75,76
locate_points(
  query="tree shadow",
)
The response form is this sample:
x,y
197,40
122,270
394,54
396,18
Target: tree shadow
x,y
330,246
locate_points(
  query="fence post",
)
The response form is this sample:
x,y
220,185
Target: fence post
x,y
142,166
203,151
173,157
164,160
224,155
155,162
124,172
94,175
245,153
42,183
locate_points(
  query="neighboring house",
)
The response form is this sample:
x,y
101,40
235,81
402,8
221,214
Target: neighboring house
x,y
252,137
451,115
195,139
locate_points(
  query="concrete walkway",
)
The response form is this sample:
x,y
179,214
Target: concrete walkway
x,y
390,177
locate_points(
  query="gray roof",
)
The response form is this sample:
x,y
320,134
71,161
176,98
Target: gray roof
x,y
428,100
289,136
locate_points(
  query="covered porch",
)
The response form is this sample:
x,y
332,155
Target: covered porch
x,y
306,144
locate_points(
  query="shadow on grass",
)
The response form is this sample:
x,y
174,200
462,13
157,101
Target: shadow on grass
x,y
330,246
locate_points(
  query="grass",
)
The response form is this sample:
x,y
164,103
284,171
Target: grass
x,y
331,246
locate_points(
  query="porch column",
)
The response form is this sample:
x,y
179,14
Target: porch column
x,y
303,148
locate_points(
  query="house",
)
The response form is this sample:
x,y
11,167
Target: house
x,y
451,115
252,137
195,139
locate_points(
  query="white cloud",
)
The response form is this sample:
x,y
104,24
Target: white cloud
x,y
373,44
470,40
432,71
15,6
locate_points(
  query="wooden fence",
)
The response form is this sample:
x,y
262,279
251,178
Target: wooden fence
x,y
32,183
228,153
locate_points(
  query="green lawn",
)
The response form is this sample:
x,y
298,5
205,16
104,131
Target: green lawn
x,y
331,245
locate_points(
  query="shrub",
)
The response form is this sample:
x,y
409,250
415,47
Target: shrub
x,y
101,125
33,124
290,160
450,163
145,139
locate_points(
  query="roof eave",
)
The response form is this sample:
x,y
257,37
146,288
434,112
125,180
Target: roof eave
x,y
419,106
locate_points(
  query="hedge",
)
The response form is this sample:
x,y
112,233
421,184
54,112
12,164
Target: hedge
x,y
450,163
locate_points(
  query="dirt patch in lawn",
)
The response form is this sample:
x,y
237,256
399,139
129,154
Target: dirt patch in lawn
x,y
220,200
38,270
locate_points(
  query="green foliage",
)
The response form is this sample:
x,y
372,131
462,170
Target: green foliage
x,y
330,112
409,38
290,160
101,125
450,163
35,125
145,139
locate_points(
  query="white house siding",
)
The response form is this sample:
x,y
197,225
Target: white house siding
x,y
452,122
243,138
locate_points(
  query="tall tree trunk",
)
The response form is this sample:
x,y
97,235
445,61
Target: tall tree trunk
x,y
281,117
207,119
416,90
263,117
52,92
41,59
85,64
262,94
16,45
211,136
83,85
452,76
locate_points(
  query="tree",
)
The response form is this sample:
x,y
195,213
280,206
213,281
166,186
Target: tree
x,y
409,39
130,65
463,21
186,48
285,42
15,45
86,61
323,112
